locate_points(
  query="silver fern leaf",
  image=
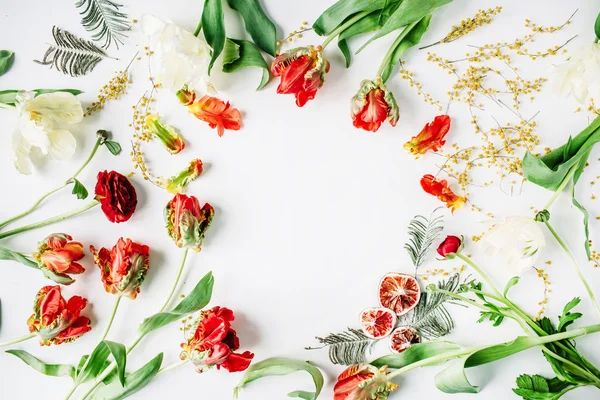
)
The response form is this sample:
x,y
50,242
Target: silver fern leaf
x,y
423,233
104,21
72,55
348,347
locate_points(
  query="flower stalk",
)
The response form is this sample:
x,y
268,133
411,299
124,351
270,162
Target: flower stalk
x,y
176,283
18,340
111,318
390,53
342,27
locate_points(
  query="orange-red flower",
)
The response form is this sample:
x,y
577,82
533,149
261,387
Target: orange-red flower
x,y
431,138
363,382
372,105
217,113
124,268
56,320
302,72
213,342
59,254
186,222
176,184
440,189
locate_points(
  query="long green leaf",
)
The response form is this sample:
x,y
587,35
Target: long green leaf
x,y
337,13
196,300
243,53
454,380
512,282
408,12
369,23
258,25
7,58
119,353
94,364
7,254
42,367
8,96
213,25
418,352
134,381
597,27
283,366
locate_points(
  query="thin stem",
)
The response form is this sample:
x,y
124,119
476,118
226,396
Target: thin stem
x,y
18,340
390,53
430,45
462,298
342,27
198,27
98,143
172,366
112,317
71,391
562,186
483,275
48,221
576,265
176,283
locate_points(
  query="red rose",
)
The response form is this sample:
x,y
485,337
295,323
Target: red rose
x,y
116,195
450,245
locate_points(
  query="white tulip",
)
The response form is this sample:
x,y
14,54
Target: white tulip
x,y
182,58
580,75
516,241
39,127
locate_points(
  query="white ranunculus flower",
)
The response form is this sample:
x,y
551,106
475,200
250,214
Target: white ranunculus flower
x,y
580,75
39,127
181,57
516,241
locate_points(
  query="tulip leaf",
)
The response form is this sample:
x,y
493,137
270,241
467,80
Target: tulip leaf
x,y
337,13
408,12
79,190
258,25
8,96
366,24
113,147
597,27
7,58
8,254
411,36
419,352
196,300
42,367
243,53
119,353
282,366
454,380
512,282
94,364
134,381
213,25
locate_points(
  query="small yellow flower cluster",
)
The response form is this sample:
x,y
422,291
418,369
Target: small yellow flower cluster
x,y
186,324
470,24
440,272
116,86
592,107
543,275
409,76
296,34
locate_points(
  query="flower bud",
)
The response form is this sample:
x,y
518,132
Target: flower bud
x,y
186,96
186,222
176,184
57,253
450,246
543,216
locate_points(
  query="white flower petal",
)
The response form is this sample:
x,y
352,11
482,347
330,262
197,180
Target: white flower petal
x,y
21,159
33,134
60,107
62,144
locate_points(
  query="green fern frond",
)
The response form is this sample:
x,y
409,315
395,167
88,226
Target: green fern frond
x,y
423,233
104,21
72,55
348,347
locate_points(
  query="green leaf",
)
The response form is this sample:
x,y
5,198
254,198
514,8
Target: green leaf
x,y
8,254
196,300
213,25
42,367
283,366
337,13
454,380
512,282
408,12
7,58
366,24
243,53
94,364
113,147
8,96
536,387
79,190
411,37
567,317
258,25
119,353
134,381
597,27
423,232
500,351
348,347
419,352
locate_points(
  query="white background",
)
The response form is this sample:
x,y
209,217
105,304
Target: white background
x,y
310,212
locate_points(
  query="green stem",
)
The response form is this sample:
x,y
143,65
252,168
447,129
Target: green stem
x,y
172,366
112,317
483,275
45,196
343,27
562,186
198,27
71,391
576,265
176,283
48,221
18,340
390,53
471,302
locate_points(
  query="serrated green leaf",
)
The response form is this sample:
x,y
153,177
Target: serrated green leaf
x,y
42,367
337,13
94,364
243,53
134,381
8,96
213,25
512,282
196,300
119,353
453,379
283,366
79,190
113,147
537,387
7,58
258,25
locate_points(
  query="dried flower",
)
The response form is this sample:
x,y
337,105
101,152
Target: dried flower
x,y
176,184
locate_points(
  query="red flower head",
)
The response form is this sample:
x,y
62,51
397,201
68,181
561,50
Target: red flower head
x,y
363,382
431,138
116,195
187,223
58,254
56,320
124,268
440,189
302,72
372,105
214,342
450,246
217,113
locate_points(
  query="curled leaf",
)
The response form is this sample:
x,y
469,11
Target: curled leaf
x,y
243,53
7,58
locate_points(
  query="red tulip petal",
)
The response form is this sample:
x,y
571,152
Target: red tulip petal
x,y
238,362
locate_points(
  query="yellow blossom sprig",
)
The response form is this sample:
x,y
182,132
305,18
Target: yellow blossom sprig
x,y
427,98
543,275
296,34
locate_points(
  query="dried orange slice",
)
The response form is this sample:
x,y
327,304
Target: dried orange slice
x,y
378,322
402,338
399,292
